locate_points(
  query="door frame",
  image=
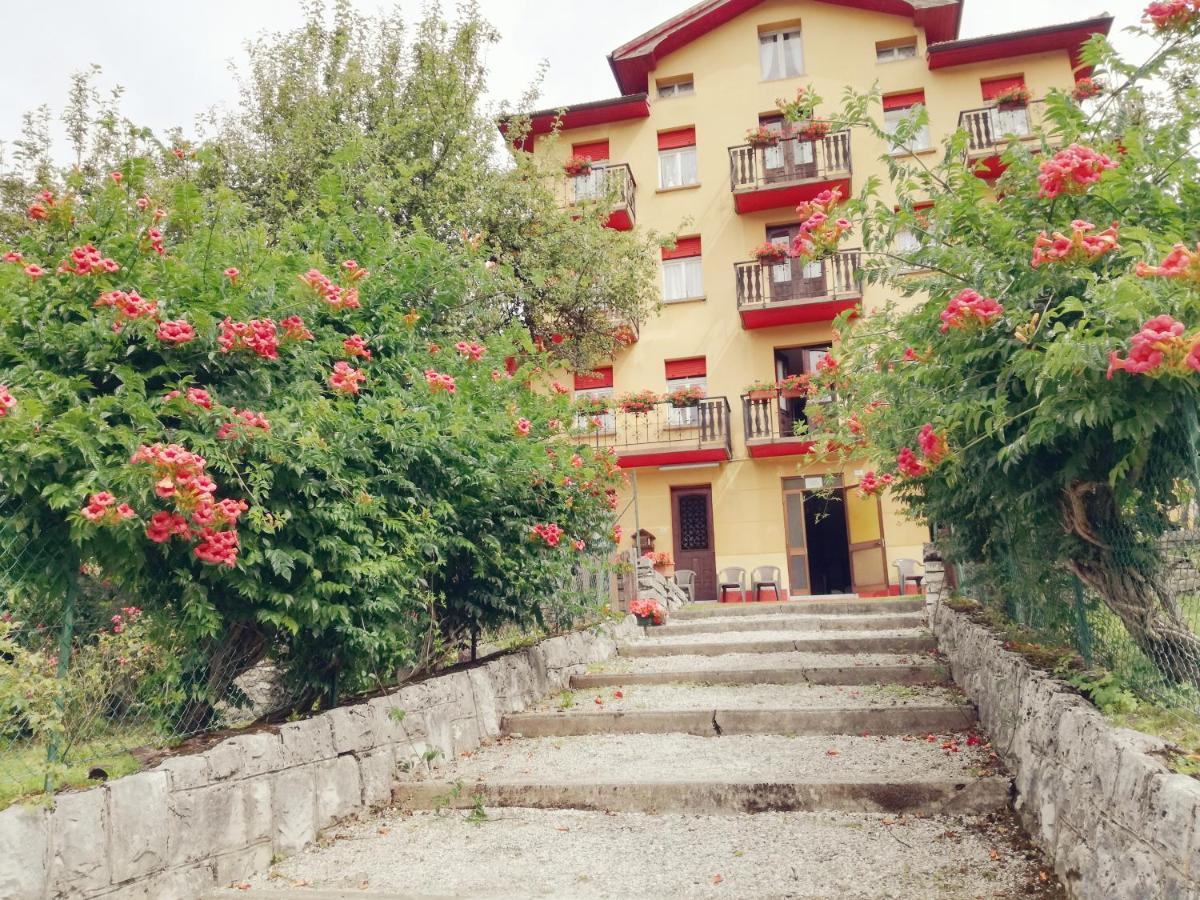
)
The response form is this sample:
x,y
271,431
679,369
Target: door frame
x,y
879,544
676,534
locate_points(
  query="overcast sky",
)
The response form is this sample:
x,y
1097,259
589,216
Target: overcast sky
x,y
173,59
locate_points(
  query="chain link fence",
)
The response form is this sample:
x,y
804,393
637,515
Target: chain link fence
x,y
93,687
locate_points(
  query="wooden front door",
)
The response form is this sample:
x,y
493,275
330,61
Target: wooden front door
x,y
794,279
864,534
692,521
789,160
797,546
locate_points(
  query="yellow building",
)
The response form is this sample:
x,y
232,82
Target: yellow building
x,y
727,483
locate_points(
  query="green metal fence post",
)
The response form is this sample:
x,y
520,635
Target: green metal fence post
x,y
66,637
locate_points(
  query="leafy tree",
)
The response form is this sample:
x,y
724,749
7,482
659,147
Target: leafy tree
x,y
1040,392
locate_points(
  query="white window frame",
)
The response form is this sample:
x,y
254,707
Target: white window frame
x,y
676,166
592,185
690,277
608,420
891,122
775,54
896,52
683,88
688,416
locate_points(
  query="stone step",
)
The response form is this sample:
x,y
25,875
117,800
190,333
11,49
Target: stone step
x,y
848,606
897,643
718,722
720,624
931,797
827,675
684,696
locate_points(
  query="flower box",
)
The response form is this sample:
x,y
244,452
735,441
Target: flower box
x,y
761,390
686,397
648,612
1086,88
770,254
640,403
815,130
794,386
1013,97
762,137
578,166
593,406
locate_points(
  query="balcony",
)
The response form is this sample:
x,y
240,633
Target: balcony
x,y
990,129
612,184
663,435
794,292
788,173
772,420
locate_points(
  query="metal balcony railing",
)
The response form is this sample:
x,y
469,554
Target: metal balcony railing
x,y
990,128
788,162
612,182
793,280
662,426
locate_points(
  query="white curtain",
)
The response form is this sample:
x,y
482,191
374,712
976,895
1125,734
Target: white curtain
x,y
590,186
781,55
677,167
682,278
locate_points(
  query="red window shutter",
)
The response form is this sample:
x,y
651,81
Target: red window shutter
x,y
601,378
681,137
688,246
903,101
993,87
687,368
595,151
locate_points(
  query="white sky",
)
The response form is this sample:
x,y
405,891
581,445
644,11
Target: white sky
x,y
173,59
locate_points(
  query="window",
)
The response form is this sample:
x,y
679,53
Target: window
x,y
679,87
685,373
780,54
592,185
898,109
891,51
598,386
682,273
677,166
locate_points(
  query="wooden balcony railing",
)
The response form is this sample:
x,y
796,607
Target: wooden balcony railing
x,y
990,128
795,281
662,427
788,162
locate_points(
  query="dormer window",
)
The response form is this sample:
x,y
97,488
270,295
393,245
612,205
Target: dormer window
x,y
893,51
676,87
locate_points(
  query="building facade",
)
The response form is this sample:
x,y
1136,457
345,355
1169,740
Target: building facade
x,y
732,481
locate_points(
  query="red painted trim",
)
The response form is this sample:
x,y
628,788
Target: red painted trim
x,y
990,168
594,150
671,457
991,88
633,61
780,448
696,367
789,195
583,115
904,100
688,246
1069,37
772,316
680,137
620,220
603,378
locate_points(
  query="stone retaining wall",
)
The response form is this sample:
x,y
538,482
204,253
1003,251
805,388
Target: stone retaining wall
x,y
1116,821
204,820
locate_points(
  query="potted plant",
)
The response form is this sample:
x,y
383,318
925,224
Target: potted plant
x,y
639,403
795,386
762,136
1012,97
1086,88
592,405
812,130
648,612
769,254
662,562
761,390
578,165
685,397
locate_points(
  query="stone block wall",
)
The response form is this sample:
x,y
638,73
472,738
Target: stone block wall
x,y
1114,819
204,820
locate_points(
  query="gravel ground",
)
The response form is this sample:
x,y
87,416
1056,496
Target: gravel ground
x,y
781,635
752,757
535,853
793,659
752,696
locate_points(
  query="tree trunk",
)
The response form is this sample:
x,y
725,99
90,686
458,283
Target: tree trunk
x,y
1115,562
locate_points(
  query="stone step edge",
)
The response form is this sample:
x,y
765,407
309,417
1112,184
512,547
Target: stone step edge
x,y
966,796
716,625
913,644
714,723
817,675
789,607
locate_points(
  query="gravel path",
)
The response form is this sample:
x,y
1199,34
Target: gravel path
x,y
724,637
754,696
793,659
569,854
753,757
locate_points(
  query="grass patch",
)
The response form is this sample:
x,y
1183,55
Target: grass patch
x,y
23,767
1178,727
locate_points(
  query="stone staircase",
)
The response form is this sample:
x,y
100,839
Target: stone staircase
x,y
806,749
